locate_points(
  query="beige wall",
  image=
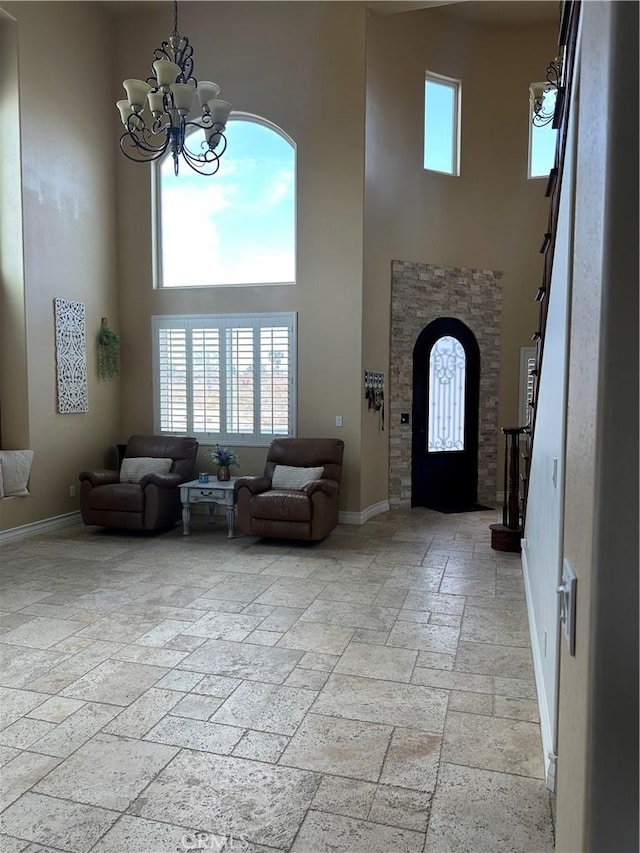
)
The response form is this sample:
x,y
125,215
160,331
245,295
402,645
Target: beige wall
x,y
598,696
490,217
303,66
68,237
14,401
300,65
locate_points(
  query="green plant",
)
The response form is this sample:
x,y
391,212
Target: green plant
x,y
223,456
108,352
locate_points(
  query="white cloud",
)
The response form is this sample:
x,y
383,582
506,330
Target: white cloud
x,y
260,265
280,188
199,249
190,239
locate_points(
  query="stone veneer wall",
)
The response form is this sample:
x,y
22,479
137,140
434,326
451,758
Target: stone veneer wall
x,y
420,293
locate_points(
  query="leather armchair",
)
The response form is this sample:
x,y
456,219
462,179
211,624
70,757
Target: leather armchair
x,y
309,513
152,504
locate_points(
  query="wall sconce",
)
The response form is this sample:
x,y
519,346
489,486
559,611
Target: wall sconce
x,y
544,96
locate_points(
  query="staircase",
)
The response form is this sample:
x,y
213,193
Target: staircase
x,y
507,535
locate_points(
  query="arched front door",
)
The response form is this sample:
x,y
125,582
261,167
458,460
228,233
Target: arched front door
x,y
446,384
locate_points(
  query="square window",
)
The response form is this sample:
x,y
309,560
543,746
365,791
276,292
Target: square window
x,y
225,378
441,124
542,137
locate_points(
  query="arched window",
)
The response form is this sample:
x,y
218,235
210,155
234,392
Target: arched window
x,y
237,227
447,374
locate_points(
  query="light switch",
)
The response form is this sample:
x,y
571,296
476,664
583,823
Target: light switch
x,y
338,420
567,592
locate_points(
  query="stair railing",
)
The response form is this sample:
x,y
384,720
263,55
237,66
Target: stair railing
x,y
507,536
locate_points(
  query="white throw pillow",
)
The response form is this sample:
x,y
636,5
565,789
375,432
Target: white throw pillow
x,y
290,477
134,468
16,467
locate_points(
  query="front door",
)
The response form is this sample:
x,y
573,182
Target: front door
x,y
446,383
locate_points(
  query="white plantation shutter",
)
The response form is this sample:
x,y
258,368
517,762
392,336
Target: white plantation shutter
x,y
205,362
275,387
225,378
172,380
240,380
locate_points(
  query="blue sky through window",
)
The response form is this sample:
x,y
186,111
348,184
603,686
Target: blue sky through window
x,y
237,227
543,143
440,127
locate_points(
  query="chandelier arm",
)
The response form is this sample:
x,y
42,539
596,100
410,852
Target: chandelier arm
x,y
554,72
209,125
186,63
207,162
223,142
165,51
140,137
207,168
140,140
204,158
144,154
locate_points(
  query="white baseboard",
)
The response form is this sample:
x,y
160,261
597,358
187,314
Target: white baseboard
x,y
548,738
26,530
365,515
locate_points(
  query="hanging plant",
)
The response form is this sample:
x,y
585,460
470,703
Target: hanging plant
x,y
108,352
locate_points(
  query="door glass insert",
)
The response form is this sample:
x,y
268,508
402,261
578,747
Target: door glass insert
x,y
447,373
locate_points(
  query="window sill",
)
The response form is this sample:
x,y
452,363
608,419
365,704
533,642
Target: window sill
x,y
182,287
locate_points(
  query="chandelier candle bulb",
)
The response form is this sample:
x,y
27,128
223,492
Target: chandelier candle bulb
x,y
182,97
167,72
219,111
137,91
213,138
207,91
125,110
156,103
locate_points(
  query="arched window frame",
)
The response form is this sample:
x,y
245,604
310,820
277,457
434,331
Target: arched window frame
x,y
156,210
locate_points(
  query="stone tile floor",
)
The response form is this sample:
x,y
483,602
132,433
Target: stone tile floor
x,y
367,694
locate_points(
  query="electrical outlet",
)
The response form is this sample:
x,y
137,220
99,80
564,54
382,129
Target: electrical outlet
x,y
72,491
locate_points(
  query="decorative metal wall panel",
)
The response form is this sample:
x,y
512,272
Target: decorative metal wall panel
x,y
447,375
71,357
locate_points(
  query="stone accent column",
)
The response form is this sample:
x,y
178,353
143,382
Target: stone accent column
x,y
421,293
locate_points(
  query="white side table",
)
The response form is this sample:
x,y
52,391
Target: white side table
x,y
214,492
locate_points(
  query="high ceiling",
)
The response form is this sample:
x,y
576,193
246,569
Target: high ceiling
x,y
480,11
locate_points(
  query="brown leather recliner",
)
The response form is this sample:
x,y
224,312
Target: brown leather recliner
x,y
152,504
308,513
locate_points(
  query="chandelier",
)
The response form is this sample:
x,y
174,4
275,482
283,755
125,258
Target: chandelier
x,y
544,95
155,113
